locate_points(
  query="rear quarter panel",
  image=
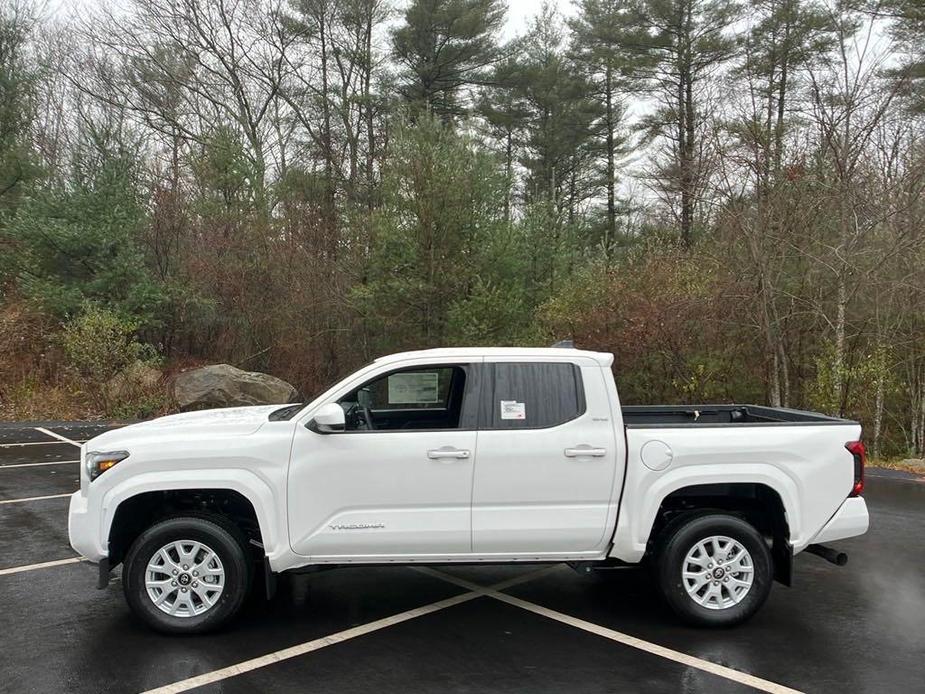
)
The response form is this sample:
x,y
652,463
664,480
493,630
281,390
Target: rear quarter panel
x,y
806,464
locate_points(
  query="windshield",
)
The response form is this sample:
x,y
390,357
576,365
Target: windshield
x,y
287,412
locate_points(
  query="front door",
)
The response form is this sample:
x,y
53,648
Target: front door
x,y
397,483
546,463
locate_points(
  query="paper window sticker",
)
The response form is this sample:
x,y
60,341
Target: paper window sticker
x,y
413,388
511,409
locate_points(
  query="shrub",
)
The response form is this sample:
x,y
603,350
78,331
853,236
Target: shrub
x,y
103,357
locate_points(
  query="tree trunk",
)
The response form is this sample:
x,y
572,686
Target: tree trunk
x,y
509,172
611,230
687,149
784,370
878,412
368,111
838,365
327,145
918,417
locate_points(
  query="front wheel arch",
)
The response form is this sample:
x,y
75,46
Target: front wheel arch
x,y
137,513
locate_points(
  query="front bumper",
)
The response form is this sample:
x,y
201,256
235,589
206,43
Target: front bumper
x,y
83,529
850,519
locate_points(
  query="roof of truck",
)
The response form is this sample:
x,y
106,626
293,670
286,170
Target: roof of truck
x,y
602,358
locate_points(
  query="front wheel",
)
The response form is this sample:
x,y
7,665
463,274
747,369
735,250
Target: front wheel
x,y
186,575
715,570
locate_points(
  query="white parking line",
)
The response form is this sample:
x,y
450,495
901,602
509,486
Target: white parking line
x,y
53,462
475,591
37,443
57,436
653,648
625,639
42,565
324,641
35,498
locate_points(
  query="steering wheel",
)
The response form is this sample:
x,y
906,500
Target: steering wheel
x,y
357,414
368,416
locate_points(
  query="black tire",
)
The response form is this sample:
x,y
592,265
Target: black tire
x,y
681,538
227,543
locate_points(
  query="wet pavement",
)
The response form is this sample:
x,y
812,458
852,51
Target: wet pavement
x,y
860,628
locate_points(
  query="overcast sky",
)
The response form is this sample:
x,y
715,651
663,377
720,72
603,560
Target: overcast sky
x,y
519,11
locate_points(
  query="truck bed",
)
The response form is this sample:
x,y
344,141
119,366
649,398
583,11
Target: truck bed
x,y
661,416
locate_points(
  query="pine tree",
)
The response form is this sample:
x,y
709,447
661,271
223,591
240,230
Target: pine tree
x,y
561,113
679,44
908,29
505,114
444,46
788,36
600,31
17,84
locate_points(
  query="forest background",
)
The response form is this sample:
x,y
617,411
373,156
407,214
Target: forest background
x,y
727,194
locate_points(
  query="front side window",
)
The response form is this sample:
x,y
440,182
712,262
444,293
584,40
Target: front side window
x,y
533,395
408,399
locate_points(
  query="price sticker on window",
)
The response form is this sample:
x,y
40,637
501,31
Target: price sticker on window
x,y
511,409
413,388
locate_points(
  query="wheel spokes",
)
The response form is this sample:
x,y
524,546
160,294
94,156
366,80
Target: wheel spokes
x,y
696,580
717,572
184,578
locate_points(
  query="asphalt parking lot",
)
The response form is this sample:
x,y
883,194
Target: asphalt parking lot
x,y
860,628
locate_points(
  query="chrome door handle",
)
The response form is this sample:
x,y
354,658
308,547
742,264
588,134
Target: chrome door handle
x,y
582,451
447,452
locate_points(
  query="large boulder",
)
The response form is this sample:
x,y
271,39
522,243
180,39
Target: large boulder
x,y
223,385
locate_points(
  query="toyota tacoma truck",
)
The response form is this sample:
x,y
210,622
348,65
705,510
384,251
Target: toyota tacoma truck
x,y
493,455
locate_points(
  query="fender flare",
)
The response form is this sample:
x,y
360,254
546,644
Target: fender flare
x,y
244,482
634,526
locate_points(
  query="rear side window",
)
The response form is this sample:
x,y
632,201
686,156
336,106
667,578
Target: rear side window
x,y
532,395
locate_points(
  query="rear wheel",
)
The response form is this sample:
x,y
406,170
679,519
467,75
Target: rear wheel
x,y
715,570
186,575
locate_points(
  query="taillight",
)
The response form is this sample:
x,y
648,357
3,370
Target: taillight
x,y
856,448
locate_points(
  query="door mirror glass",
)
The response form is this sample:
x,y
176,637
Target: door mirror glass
x,y
328,419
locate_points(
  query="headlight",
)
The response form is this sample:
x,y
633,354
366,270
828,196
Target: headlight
x,y
98,463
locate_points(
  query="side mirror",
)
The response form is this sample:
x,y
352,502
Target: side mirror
x,y
329,419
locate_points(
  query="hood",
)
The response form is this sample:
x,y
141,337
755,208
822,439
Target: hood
x,y
228,421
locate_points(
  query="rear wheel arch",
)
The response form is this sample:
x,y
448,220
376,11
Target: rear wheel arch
x,y
757,503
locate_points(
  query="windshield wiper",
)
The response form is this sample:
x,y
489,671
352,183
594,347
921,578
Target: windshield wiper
x,y
287,412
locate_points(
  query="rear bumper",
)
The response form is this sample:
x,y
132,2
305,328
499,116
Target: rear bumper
x,y
850,519
83,529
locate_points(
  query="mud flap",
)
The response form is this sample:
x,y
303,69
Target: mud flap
x,y
782,553
269,579
103,579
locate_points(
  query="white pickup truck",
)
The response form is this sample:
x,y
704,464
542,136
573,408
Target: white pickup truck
x,y
491,455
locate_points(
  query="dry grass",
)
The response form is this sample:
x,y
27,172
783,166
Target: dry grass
x,y
27,401
904,464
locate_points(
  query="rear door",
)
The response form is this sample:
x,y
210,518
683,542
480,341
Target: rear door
x,y
546,458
